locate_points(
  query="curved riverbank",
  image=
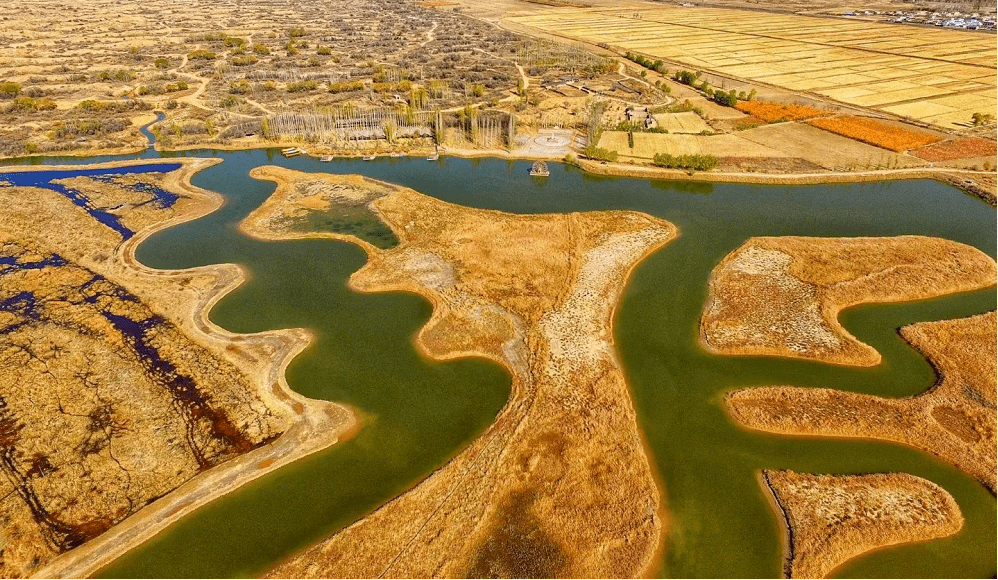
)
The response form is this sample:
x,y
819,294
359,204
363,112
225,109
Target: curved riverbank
x,y
963,179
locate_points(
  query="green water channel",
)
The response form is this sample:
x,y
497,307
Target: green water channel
x,y
418,413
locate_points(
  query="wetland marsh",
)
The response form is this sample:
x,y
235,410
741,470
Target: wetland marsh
x,y
418,413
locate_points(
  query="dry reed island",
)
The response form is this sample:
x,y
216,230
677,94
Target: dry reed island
x,y
559,485
781,297
828,519
617,86
122,408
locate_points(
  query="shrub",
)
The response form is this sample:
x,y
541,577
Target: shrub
x,y
30,104
324,51
201,55
728,99
244,60
161,62
261,49
240,87
698,162
9,90
599,153
345,87
302,86
686,77
982,119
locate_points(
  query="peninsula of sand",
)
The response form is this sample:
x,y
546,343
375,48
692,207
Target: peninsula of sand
x,y
781,297
560,484
123,408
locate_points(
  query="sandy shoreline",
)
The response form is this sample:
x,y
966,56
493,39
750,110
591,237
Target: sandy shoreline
x,y
317,424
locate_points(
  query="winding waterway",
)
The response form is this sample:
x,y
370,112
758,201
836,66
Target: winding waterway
x,y
417,413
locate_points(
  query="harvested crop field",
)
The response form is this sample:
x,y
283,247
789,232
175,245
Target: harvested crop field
x,y
830,519
955,420
686,122
826,149
647,145
771,111
552,487
957,149
781,296
934,75
875,133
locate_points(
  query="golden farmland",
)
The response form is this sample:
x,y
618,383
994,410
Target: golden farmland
x,y
936,76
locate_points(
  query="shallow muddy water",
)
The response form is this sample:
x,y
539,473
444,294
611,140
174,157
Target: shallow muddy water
x,y
417,413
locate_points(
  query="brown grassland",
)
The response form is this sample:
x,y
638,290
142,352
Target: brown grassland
x,y
829,519
954,420
559,485
958,149
780,296
875,132
122,407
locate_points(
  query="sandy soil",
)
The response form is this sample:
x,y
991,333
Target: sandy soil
x,y
829,519
559,485
781,296
954,420
125,408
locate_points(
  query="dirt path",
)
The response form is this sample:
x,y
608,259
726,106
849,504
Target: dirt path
x,y
430,37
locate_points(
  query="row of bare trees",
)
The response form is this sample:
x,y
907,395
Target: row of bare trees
x,y
349,127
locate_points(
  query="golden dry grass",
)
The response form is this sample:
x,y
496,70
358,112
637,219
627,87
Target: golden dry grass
x,y
955,420
876,133
781,296
647,145
830,519
772,111
559,485
96,428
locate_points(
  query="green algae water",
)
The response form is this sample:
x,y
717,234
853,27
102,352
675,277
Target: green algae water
x,y
418,413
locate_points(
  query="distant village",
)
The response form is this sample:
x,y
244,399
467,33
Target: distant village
x,y
948,19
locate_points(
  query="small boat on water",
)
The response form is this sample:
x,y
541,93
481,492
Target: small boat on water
x,y
395,155
326,158
369,158
539,169
292,151
433,157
